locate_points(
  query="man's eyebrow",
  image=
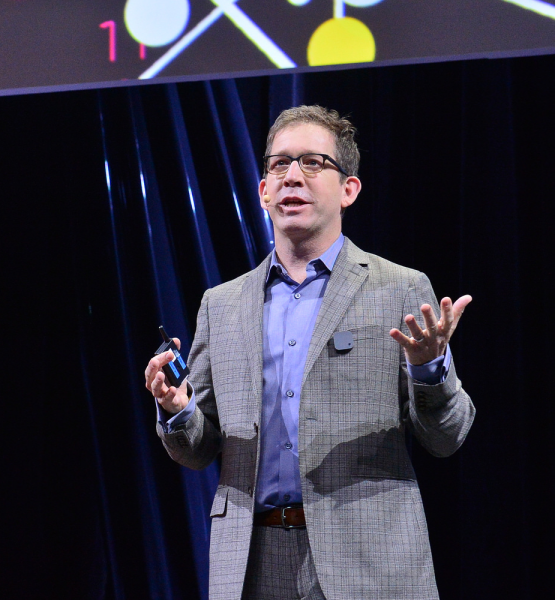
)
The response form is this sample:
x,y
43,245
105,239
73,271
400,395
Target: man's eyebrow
x,y
300,153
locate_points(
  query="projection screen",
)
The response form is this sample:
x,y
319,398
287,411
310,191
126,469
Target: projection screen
x,y
79,43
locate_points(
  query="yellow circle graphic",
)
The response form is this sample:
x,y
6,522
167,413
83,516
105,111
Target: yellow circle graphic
x,y
340,42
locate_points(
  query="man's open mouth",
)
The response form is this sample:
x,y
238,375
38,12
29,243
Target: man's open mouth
x,y
293,202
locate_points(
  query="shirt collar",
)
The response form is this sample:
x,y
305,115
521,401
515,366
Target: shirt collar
x,y
328,258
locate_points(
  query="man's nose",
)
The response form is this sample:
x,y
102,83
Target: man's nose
x,y
294,175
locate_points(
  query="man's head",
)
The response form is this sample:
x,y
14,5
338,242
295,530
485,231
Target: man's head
x,y
343,132
306,197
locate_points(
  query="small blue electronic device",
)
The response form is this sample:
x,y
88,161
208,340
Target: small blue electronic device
x,y
175,371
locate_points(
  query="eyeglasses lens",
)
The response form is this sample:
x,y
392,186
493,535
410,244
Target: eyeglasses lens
x,y
310,163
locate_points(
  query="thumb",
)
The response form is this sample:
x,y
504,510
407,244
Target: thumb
x,y
461,304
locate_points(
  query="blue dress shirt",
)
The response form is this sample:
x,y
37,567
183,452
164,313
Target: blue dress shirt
x,y
290,311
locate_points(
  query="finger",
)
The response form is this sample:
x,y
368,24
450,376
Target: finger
x,y
155,365
460,305
158,361
167,398
446,315
159,388
430,318
167,357
168,401
150,372
414,327
177,342
401,338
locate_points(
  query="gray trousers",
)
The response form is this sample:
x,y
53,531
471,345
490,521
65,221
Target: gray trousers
x,y
280,566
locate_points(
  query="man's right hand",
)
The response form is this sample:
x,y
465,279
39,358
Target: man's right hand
x,y
171,399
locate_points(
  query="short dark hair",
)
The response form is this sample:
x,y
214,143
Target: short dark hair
x,y
343,131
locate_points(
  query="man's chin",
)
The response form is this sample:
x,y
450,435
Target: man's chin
x,y
298,230
294,224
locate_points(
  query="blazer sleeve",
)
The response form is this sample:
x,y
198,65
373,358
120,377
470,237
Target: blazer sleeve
x,y
198,441
438,415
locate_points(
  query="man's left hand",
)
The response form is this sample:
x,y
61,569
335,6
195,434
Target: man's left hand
x,y
427,344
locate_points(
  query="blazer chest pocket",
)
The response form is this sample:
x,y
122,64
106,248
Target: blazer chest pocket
x,y
219,506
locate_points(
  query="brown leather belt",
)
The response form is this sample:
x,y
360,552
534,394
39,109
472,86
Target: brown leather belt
x,y
288,517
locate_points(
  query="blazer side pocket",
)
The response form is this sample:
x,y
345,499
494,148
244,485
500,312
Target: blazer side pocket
x,y
219,506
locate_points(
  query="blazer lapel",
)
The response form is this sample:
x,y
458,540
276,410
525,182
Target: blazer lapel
x,y
252,315
348,274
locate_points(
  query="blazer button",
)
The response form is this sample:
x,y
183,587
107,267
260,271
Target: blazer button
x,y
250,491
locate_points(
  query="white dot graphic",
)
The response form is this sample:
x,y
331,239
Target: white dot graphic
x,y
156,22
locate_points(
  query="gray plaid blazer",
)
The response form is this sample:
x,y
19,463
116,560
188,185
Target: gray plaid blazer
x,y
364,513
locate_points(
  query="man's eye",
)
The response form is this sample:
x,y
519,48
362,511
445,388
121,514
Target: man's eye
x,y
280,163
312,161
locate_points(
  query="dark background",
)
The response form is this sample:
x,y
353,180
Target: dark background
x,y
119,207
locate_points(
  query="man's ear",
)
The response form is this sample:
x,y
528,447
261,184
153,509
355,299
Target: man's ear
x,y
262,192
351,189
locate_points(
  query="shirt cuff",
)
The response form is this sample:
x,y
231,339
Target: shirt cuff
x,y
171,422
433,372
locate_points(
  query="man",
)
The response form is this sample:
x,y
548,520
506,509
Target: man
x,y
297,379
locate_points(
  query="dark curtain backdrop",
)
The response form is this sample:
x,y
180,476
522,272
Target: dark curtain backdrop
x,y
120,207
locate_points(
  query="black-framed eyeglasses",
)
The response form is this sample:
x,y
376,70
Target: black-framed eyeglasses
x,y
310,164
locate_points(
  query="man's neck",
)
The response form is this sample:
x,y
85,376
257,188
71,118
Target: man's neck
x,y
295,255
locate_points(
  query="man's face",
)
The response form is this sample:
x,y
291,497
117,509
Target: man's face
x,y
304,206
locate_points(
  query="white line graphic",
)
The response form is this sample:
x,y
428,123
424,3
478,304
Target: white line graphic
x,y
338,9
537,6
241,21
255,34
185,41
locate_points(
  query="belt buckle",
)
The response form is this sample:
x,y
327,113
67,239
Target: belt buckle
x,y
283,523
